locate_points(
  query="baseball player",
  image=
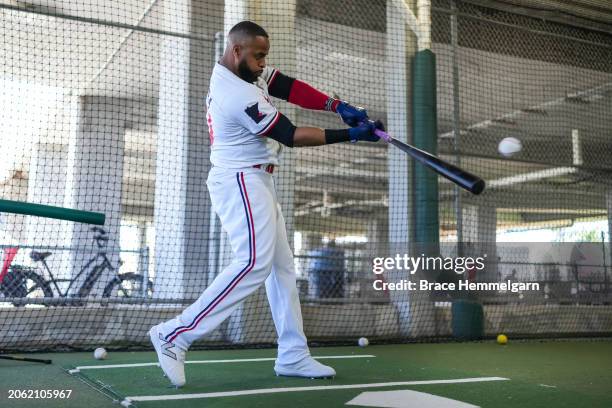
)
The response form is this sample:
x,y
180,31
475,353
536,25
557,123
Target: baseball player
x,y
246,134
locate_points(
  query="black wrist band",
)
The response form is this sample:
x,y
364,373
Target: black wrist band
x,y
336,136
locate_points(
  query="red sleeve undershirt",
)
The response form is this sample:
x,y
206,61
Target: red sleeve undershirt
x,y
307,97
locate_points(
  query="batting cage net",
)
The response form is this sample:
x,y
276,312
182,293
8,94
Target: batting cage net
x,y
103,110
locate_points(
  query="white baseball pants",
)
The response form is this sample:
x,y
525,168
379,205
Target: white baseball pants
x,y
245,200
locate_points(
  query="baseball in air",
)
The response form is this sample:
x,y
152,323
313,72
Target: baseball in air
x,y
100,353
363,342
509,146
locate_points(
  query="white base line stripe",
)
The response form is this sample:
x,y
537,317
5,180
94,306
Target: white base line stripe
x,y
301,389
241,360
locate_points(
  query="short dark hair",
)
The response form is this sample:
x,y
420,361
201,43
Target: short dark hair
x,y
248,29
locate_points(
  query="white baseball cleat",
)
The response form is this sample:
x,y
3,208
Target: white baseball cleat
x,y
307,367
171,357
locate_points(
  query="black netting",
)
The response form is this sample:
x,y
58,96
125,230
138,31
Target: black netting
x,y
102,109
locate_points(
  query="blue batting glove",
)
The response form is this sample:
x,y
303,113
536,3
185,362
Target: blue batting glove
x,y
351,115
365,131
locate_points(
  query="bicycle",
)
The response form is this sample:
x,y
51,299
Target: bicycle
x,y
25,282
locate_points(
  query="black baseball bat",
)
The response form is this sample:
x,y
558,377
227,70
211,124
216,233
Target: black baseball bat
x,y
462,178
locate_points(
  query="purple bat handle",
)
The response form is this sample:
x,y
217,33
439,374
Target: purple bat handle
x,y
382,134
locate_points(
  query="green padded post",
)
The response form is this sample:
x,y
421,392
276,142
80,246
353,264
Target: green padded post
x,y
48,211
426,138
467,320
467,315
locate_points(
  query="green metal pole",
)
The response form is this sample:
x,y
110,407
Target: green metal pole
x,y
427,223
48,211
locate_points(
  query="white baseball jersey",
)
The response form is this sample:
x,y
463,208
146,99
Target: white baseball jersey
x,y
239,113
245,200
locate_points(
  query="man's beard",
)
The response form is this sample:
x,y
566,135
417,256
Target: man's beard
x,y
245,73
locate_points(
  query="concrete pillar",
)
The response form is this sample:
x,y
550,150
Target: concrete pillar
x,y
182,204
401,48
609,211
377,246
46,185
142,266
310,241
480,223
95,175
278,19
479,233
609,232
30,119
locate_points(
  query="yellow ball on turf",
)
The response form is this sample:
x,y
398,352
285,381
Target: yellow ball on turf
x,y
502,339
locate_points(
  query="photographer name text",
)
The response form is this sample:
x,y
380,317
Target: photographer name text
x,y
423,284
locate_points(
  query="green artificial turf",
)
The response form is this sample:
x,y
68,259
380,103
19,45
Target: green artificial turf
x,y
541,374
